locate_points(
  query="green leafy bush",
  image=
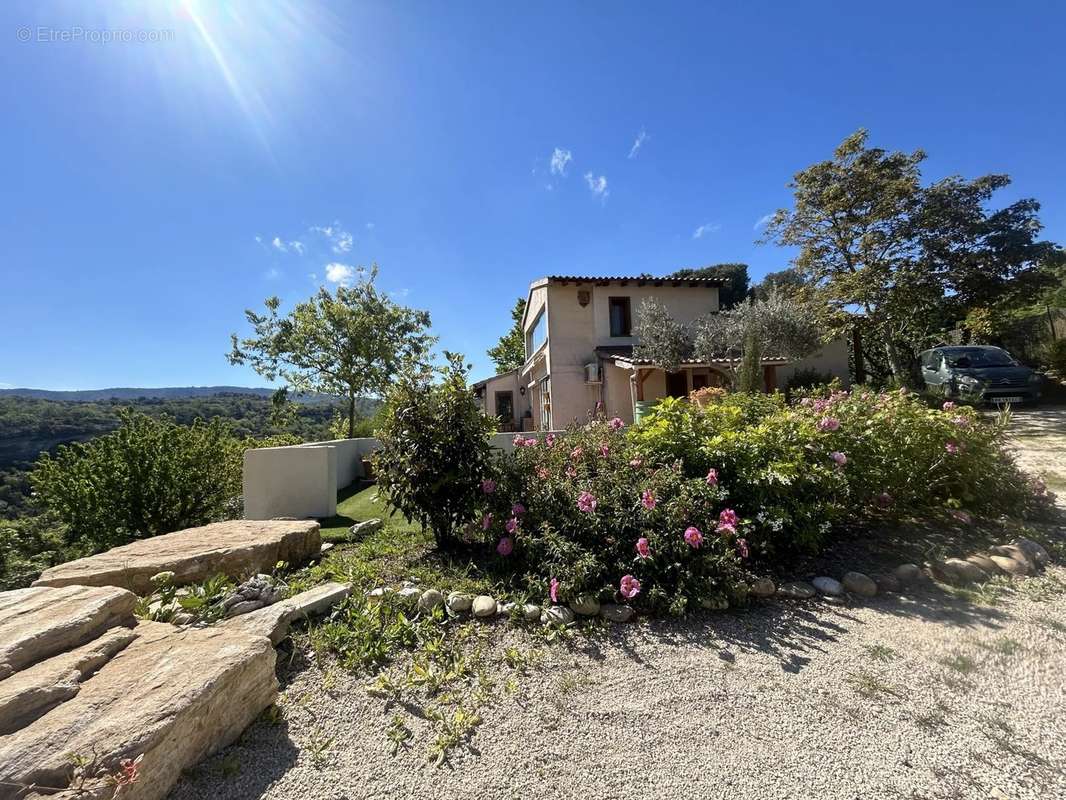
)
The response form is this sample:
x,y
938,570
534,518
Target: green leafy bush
x,y
434,451
1056,357
28,546
150,476
585,514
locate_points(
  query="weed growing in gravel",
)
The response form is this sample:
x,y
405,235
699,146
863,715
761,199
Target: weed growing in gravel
x,y
934,718
870,686
398,734
1053,624
961,663
318,747
453,729
1003,647
881,652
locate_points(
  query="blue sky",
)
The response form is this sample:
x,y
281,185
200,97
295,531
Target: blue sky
x,y
145,182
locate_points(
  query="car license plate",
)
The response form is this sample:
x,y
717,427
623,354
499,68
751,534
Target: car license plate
x,y
1007,399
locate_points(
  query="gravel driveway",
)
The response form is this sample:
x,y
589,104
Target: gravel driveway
x,y
921,695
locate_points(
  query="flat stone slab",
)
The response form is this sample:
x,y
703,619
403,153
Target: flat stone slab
x,y
40,622
172,696
237,548
274,621
28,694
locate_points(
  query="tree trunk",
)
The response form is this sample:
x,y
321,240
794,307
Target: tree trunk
x,y
900,364
351,416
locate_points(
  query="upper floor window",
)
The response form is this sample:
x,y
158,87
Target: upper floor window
x,y
537,334
621,318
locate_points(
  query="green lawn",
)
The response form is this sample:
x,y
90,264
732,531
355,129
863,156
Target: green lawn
x,y
398,551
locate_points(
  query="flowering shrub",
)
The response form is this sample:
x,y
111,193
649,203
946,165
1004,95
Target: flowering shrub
x,y
585,514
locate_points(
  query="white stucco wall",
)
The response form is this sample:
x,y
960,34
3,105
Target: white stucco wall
x,y
833,358
298,481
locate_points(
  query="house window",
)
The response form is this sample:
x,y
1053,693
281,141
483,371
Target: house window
x,y
537,335
621,319
505,406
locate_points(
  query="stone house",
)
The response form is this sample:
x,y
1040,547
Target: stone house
x,y
579,352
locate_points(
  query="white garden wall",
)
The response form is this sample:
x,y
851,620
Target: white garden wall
x,y
302,480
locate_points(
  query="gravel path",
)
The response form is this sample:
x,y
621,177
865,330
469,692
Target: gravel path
x,y
919,696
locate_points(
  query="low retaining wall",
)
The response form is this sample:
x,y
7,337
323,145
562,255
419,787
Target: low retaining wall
x,y
302,480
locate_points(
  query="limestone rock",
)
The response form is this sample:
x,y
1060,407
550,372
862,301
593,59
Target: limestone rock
x,y
530,612
459,603
617,613
378,594
244,607
173,697
586,605
907,573
365,528
830,587
796,590
887,583
957,572
714,603
274,621
40,622
560,615
1034,550
429,600
505,609
483,606
235,548
985,564
860,584
1019,555
763,587
1009,565
409,594
28,694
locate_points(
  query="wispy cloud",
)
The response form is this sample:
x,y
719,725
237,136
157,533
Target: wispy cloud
x,y
642,137
597,185
370,226
339,273
400,293
340,240
295,246
762,221
706,228
272,274
560,161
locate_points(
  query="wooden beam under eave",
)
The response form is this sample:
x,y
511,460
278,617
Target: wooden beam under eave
x,y
769,378
642,375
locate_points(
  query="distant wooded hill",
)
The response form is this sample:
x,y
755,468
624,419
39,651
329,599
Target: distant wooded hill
x,y
166,392
31,425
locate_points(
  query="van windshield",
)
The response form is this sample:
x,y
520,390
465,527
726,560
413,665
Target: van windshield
x,y
978,357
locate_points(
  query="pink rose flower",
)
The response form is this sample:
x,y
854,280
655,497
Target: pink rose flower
x,y
839,458
636,462
576,453
543,473
952,448
486,522
519,440
729,518
742,548
549,440
828,424
616,424
693,537
571,472
586,502
948,405
629,587
488,486
604,450
511,525
647,499
505,547
712,477
553,592
518,509
643,548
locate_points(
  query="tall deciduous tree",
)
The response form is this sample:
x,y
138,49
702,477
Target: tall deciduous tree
x,y
349,343
912,260
510,352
